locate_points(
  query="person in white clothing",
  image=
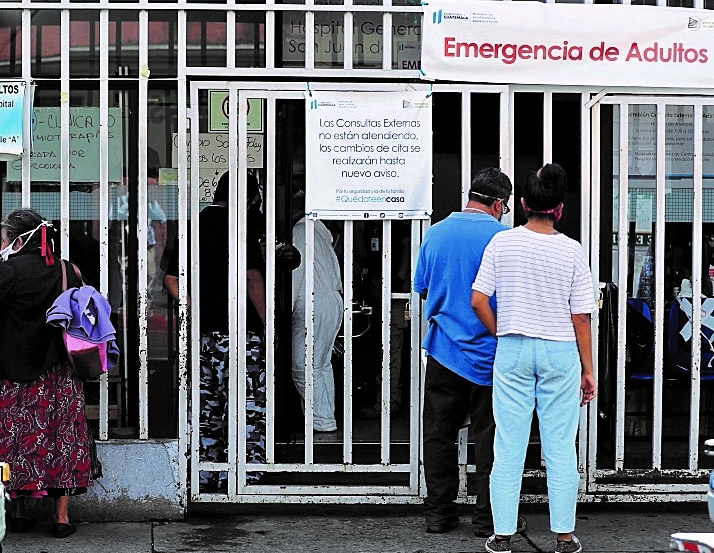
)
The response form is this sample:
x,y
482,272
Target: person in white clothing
x,y
327,321
543,359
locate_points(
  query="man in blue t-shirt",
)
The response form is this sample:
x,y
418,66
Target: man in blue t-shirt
x,y
460,352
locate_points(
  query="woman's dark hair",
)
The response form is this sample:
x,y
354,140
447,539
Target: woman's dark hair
x,y
221,193
20,221
545,190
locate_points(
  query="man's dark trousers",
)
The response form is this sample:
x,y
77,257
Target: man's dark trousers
x,y
448,398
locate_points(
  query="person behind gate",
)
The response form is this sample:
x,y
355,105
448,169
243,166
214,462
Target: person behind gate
x,y
214,281
543,359
328,311
460,352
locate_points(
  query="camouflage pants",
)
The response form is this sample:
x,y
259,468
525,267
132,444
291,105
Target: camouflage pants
x,y
214,416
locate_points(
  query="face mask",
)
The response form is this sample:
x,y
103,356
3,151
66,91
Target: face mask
x,y
7,252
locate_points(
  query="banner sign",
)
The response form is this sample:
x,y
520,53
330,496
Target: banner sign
x,y
12,102
368,155
568,44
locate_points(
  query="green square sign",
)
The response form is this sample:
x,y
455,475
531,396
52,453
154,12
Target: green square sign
x,y
218,112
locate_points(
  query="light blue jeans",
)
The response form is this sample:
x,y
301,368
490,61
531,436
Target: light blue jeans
x,y
532,373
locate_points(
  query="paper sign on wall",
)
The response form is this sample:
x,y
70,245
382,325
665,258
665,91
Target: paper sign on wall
x,y
213,158
368,155
218,121
12,103
84,138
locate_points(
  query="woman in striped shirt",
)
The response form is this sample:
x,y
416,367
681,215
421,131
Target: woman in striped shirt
x,y
543,360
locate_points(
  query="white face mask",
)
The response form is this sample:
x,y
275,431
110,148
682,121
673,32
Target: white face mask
x,y
5,253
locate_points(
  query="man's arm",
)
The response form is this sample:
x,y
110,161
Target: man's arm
x,y
256,291
581,324
171,283
480,305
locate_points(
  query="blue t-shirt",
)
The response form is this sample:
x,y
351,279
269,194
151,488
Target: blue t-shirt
x,y
449,259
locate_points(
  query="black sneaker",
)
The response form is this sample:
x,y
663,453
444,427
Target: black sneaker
x,y
442,527
485,532
572,546
494,545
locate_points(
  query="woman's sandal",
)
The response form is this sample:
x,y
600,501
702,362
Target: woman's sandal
x,y
21,525
63,529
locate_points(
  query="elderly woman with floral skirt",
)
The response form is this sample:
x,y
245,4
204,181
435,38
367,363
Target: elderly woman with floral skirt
x,y
43,427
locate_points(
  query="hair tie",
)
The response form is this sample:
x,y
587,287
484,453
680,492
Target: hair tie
x,y
557,211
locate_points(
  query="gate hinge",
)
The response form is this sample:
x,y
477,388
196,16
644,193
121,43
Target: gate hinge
x,y
189,113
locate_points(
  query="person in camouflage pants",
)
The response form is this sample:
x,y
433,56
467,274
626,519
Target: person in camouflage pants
x,y
214,416
213,422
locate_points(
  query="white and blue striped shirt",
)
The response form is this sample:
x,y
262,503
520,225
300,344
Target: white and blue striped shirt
x,y
540,281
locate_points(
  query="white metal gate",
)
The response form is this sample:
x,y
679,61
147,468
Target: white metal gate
x,y
654,389
346,466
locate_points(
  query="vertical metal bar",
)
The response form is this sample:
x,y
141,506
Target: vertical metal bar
x,y
269,34
309,37
659,291
547,158
423,327
309,337
236,322
269,195
183,327
595,268
507,141
698,216
27,113
585,174
466,168
104,198
143,223
239,308
547,127
64,140
585,204
387,38
348,37
230,36
415,388
348,264
195,289
462,448
622,288
386,338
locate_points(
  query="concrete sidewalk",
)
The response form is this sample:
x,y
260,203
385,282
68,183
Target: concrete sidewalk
x,y
608,528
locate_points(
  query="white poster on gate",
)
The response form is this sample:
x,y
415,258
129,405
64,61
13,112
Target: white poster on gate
x,y
568,44
368,154
12,106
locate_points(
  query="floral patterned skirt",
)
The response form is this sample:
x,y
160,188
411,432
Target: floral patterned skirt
x,y
43,434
